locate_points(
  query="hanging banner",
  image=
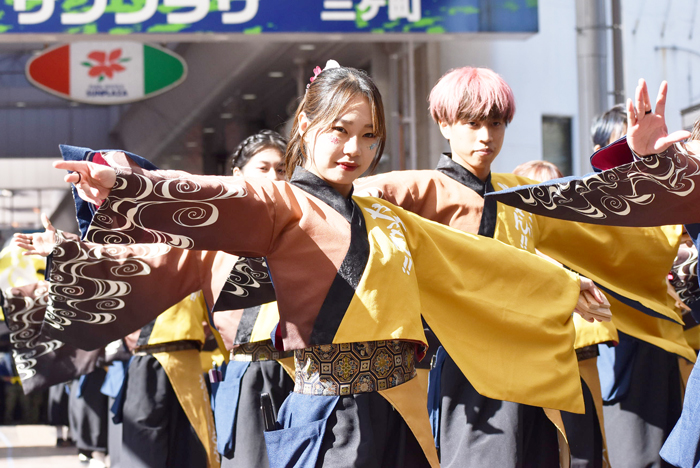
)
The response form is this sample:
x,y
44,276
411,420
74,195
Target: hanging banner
x,y
119,17
106,72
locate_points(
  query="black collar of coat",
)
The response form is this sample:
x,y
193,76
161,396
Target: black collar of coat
x,y
320,189
462,175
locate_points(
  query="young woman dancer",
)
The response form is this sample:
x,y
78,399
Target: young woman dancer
x,y
353,276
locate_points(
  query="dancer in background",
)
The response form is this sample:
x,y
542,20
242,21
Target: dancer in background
x,y
473,107
657,187
255,367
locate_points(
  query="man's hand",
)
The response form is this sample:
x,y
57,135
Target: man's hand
x,y
646,127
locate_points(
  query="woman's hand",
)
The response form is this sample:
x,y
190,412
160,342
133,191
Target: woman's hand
x,y
93,181
592,304
38,243
646,128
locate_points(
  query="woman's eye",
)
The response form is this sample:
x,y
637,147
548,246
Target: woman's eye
x,y
339,129
370,135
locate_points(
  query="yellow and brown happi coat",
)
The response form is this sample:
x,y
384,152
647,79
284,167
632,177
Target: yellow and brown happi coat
x,y
360,269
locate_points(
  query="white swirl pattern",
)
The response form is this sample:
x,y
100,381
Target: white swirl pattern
x,y
244,277
615,191
24,317
76,296
190,208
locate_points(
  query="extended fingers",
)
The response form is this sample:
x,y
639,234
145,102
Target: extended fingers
x,y
661,99
631,114
23,241
639,98
70,165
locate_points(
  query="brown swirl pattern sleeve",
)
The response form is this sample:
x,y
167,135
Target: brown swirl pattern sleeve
x,y
41,361
102,293
192,212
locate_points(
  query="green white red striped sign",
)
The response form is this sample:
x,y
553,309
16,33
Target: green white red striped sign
x,y
106,72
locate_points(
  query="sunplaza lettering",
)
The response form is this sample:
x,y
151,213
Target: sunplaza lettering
x,y
98,90
123,17
106,72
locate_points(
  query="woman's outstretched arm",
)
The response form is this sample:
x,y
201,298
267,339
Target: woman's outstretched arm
x,y
180,209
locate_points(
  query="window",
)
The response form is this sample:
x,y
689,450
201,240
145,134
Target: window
x,y
556,142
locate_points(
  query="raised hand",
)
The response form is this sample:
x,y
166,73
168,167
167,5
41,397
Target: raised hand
x,y
93,181
646,127
38,243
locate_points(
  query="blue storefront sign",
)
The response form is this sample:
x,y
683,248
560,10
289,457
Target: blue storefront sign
x,y
123,17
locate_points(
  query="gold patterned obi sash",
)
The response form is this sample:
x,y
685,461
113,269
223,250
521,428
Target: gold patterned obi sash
x,y
258,351
362,367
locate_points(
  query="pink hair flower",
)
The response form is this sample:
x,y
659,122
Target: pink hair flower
x,y
317,71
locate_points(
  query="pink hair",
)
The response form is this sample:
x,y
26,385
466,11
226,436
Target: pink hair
x,y
471,94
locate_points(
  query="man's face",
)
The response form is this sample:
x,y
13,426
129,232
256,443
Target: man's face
x,y
475,144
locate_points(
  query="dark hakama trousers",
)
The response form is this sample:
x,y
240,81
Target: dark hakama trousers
x,y
58,405
368,432
249,448
476,431
359,431
155,430
640,419
88,413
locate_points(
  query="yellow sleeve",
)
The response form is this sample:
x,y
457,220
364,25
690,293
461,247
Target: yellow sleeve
x,y
632,262
492,306
662,333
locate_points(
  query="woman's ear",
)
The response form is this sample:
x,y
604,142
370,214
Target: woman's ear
x,y
237,172
303,123
446,130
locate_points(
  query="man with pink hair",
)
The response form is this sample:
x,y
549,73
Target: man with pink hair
x,y
473,107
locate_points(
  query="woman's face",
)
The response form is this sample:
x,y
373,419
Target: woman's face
x,y
345,151
267,163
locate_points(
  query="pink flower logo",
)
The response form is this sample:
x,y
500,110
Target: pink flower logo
x,y
106,65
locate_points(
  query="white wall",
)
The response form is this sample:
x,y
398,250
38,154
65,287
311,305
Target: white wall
x,y
663,23
541,70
